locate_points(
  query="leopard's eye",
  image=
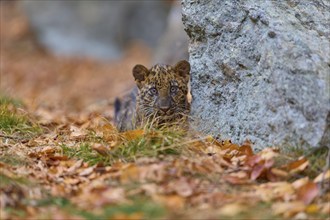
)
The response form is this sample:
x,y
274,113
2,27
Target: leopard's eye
x,y
153,91
174,89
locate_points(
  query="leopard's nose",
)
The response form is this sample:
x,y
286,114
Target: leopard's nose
x,y
164,108
164,104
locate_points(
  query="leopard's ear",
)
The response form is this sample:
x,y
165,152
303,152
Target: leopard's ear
x,y
183,69
140,73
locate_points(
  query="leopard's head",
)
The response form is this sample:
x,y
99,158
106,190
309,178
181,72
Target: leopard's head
x,y
163,91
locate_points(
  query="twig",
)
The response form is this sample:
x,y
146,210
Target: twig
x,y
22,140
8,136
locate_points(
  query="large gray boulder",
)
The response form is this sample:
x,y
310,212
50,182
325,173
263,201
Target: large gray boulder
x,y
260,70
96,28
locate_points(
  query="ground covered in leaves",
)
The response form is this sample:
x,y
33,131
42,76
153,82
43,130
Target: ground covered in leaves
x,y
62,158
82,167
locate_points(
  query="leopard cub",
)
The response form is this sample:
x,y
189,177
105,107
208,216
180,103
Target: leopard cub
x,y
159,99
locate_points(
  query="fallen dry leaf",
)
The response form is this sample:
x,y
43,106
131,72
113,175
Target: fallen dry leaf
x,y
108,132
297,166
300,215
273,191
77,133
308,192
48,150
313,208
246,148
130,173
131,135
112,195
101,149
257,171
325,208
288,209
133,216
237,178
322,176
300,182
74,167
88,171
232,209
268,153
183,188
174,202
71,181
279,172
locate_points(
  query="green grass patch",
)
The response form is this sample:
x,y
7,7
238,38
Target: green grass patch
x,y
152,143
317,161
12,159
139,207
85,151
57,201
6,181
5,100
93,138
65,205
15,212
13,121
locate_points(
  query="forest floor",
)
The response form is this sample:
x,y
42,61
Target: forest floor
x,y
62,158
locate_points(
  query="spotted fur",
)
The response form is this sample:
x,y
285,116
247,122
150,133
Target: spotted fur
x,y
161,97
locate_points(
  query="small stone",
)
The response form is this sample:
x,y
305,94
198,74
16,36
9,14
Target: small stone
x,y
271,34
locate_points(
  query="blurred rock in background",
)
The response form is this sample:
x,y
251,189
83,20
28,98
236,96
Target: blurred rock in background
x,y
100,29
173,45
